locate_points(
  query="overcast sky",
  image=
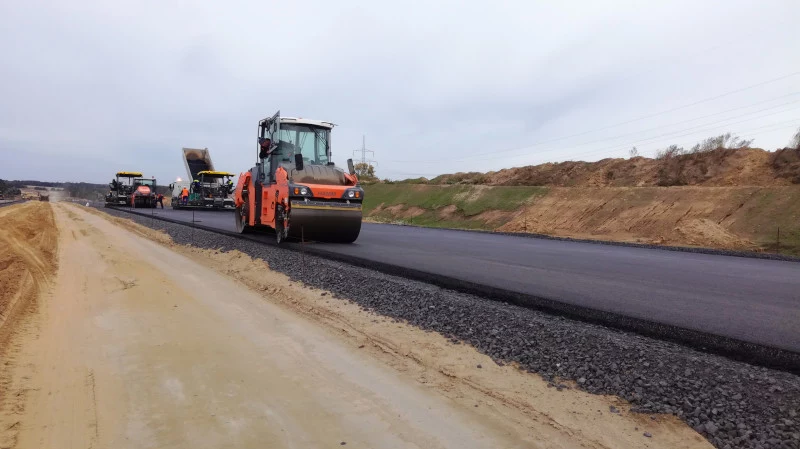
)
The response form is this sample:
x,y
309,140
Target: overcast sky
x,y
91,87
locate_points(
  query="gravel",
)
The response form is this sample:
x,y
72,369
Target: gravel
x,y
733,404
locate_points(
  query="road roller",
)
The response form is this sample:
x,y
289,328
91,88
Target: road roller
x,y
295,189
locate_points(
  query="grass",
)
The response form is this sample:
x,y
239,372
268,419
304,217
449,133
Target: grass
x,y
774,209
469,200
432,220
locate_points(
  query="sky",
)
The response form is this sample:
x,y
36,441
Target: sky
x,y
89,88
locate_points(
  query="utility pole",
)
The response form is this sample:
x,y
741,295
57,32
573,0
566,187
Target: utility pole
x,y
364,151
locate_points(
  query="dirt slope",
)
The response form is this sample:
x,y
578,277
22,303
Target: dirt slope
x,y
737,218
28,261
743,167
727,199
28,247
744,218
145,347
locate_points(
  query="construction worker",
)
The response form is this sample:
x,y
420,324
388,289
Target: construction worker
x,y
230,185
195,186
265,144
160,199
185,196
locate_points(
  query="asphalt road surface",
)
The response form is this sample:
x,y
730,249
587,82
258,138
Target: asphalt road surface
x,y
753,300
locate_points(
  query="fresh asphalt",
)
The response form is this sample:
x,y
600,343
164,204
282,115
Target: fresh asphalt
x,y
752,300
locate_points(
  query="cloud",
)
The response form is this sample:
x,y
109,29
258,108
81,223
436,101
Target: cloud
x,y
436,86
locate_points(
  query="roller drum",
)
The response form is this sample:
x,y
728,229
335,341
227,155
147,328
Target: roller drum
x,y
325,221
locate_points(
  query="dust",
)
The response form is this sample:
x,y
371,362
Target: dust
x,y
568,418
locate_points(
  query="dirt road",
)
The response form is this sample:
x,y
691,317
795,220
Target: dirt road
x,y
136,345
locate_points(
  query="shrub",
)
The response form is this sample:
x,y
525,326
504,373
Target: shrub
x,y
795,142
670,152
725,141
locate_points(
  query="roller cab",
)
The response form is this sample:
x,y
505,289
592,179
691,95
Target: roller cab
x,y
144,193
295,188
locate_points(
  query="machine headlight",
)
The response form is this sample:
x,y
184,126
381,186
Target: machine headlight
x,y
299,191
353,194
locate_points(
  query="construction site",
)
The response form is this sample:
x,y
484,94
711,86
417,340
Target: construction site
x,y
263,312
530,225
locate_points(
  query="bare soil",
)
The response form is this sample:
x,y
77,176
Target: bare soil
x,y
737,218
722,167
143,343
28,262
28,247
729,218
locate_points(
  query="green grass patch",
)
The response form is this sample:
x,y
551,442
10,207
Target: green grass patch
x,y
468,200
432,220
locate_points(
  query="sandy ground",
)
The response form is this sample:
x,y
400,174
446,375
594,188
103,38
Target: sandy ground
x,y
140,343
738,218
28,249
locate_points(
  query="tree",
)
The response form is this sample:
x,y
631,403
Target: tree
x,y
795,143
634,152
365,171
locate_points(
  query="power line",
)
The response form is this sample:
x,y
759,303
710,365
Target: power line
x,y
760,129
677,134
705,100
719,124
706,130
653,64
702,117
466,159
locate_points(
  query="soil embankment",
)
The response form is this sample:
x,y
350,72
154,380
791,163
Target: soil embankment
x,y
28,249
746,199
731,218
721,167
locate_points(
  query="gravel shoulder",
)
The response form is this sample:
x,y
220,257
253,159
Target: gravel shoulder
x,y
731,403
